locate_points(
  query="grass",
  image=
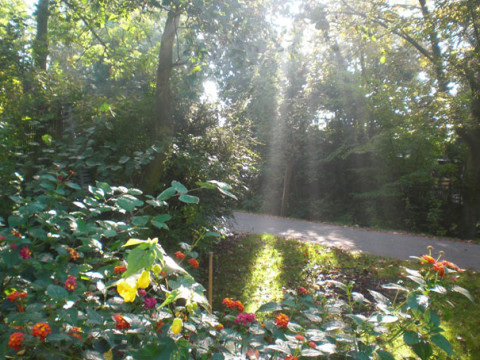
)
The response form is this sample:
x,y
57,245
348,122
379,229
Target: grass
x,y
257,269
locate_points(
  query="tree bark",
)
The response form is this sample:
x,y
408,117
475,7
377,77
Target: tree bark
x,y
40,44
164,126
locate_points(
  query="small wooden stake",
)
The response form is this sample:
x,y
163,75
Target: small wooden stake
x,y
210,280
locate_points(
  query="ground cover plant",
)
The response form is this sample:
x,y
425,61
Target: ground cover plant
x,y
266,269
84,277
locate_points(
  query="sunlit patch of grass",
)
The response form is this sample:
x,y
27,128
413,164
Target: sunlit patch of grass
x,y
264,276
256,269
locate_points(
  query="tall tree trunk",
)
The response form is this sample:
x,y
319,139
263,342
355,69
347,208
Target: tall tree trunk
x,y
40,44
164,126
287,180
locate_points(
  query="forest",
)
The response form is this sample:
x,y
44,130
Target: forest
x,y
135,119
364,114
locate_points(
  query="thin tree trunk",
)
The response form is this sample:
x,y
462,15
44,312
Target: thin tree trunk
x,y
40,44
287,180
164,126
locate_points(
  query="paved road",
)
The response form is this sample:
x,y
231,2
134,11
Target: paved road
x,y
390,244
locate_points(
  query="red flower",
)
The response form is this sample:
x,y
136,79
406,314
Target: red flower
x,y
291,357
25,253
194,263
15,340
16,233
300,337
303,291
15,295
13,246
121,323
2,237
219,327
120,269
452,266
180,255
159,326
282,320
74,255
41,330
312,345
428,259
71,283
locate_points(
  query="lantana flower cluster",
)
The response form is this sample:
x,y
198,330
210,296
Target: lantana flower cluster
x,y
233,304
440,267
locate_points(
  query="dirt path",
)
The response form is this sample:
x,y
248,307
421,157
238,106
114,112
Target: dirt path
x,y
391,244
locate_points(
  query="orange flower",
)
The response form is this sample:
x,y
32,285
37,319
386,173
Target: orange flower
x,y
41,330
15,340
120,269
15,295
70,283
121,323
312,345
180,255
219,327
452,266
427,259
75,332
300,337
16,233
291,357
233,304
439,268
194,263
74,255
282,320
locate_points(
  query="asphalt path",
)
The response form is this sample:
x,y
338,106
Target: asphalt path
x,y
390,244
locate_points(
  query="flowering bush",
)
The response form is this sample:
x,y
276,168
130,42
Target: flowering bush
x,y
88,280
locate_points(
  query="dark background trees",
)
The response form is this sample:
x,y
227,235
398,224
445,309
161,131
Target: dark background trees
x,y
365,113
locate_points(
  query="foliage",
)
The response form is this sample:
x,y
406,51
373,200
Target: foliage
x,y
264,267
62,266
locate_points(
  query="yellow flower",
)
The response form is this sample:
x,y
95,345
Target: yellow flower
x,y
176,325
144,280
126,291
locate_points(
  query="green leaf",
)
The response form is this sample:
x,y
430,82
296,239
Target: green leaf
x,y
172,297
179,187
189,199
411,337
73,185
166,194
160,225
384,355
138,259
271,306
164,349
132,242
47,139
423,349
123,159
126,204
140,220
57,292
442,343
94,317
463,291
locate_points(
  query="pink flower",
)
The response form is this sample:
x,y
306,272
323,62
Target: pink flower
x,y
142,292
149,302
245,319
